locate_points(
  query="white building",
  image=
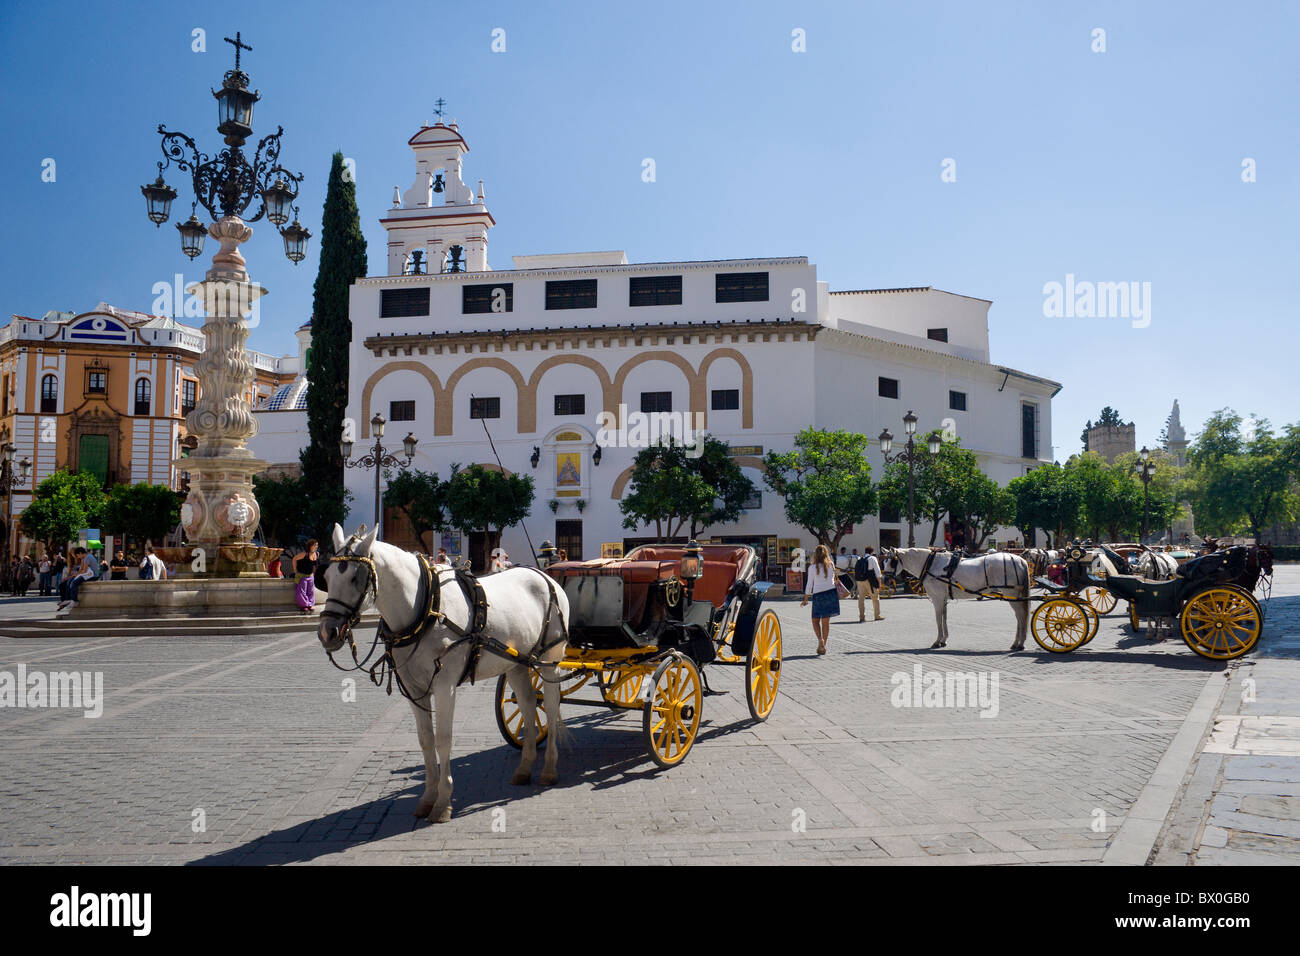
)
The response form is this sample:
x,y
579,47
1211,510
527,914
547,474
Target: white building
x,y
758,349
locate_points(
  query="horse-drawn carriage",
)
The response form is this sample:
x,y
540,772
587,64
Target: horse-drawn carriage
x,y
659,615
1210,599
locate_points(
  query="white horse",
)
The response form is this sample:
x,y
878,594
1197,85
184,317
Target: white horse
x,y
1156,565
527,621
1039,560
1001,574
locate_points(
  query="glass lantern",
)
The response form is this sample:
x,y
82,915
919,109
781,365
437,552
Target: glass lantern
x,y
158,197
692,563
278,200
192,233
235,108
295,242
886,441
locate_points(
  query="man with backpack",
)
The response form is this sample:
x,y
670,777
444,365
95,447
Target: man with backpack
x,y
867,573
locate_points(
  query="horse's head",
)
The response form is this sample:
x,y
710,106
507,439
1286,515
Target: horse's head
x,y
348,578
912,559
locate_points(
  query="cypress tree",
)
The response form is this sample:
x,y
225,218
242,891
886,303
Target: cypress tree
x,y
342,260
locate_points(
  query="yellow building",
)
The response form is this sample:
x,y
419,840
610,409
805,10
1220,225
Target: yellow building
x,y
106,392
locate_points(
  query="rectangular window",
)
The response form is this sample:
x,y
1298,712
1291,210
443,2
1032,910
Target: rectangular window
x,y
570,404
189,395
571,294
726,399
888,387
97,383
888,515
957,401
656,401
1028,431
655,290
753,503
92,456
403,303
938,335
740,287
491,297
401,411
485,407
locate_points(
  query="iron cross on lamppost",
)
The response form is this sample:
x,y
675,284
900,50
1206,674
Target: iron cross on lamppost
x,y
1146,471
379,459
910,455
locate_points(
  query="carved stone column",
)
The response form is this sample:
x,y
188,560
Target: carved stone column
x,y
221,512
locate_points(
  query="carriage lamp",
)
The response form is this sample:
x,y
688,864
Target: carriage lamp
x,y
158,196
546,555
192,233
886,441
691,567
409,443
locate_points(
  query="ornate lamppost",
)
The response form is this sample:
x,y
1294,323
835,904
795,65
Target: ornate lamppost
x,y
913,457
379,459
9,482
221,513
1146,471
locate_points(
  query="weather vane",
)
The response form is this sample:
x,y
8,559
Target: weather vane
x,y
438,104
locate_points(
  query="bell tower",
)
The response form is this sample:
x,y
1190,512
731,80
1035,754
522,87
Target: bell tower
x,y
438,224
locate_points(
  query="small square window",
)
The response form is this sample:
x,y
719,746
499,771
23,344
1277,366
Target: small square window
x,y
889,515
726,399
570,404
957,401
656,401
485,407
97,383
938,335
888,387
401,411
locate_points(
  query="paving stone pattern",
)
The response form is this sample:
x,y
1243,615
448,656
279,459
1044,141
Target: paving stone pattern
x,y
255,732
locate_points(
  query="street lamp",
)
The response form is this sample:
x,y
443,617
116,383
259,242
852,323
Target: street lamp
x,y
8,482
235,190
1146,471
913,457
379,459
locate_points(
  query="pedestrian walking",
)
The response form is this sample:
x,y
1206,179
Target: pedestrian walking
x,y
819,585
304,591
868,574
151,566
46,568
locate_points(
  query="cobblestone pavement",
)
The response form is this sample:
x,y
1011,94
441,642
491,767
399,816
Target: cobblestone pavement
x,y
245,751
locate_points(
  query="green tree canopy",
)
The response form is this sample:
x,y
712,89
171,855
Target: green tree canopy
x,y
64,504
478,498
825,481
1241,480
939,481
1110,498
284,501
143,512
1046,498
342,261
673,490
422,498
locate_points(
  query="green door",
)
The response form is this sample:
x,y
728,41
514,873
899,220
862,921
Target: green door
x,y
92,456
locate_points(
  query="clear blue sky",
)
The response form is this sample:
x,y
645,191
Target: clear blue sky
x,y
1115,166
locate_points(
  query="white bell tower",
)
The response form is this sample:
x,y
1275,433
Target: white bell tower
x,y
438,225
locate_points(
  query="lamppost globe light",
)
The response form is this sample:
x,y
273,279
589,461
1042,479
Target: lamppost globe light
x,y
909,422
192,233
409,443
346,448
295,242
24,469
935,443
8,452
1145,453
279,202
886,441
158,198
377,425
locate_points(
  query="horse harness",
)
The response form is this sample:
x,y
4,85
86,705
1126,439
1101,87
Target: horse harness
x,y
946,576
428,599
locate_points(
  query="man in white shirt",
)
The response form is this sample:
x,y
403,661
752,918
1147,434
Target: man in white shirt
x,y
870,585
157,568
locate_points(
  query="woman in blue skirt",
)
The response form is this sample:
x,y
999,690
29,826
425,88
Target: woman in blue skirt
x,y
819,584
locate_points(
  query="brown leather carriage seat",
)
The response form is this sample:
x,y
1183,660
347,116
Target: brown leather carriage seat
x,y
637,575
721,562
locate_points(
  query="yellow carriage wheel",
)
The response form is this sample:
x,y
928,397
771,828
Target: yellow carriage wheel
x,y
671,718
1102,601
1060,625
1133,619
621,687
1221,623
763,666
510,716
915,586
887,590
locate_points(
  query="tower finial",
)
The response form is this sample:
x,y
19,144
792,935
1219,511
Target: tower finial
x,y
238,45
438,106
